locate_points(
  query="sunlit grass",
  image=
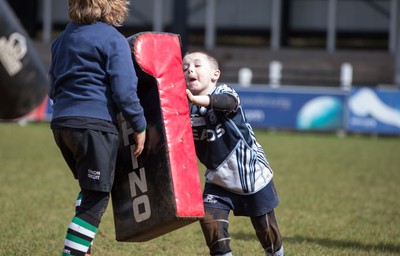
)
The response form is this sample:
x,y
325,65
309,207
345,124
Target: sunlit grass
x,y
338,196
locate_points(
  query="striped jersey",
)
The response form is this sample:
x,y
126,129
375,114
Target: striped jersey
x,y
225,143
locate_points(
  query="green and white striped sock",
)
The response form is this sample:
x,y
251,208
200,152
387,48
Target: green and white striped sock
x,y
80,234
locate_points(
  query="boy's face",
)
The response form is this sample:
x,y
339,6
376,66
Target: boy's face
x,y
200,76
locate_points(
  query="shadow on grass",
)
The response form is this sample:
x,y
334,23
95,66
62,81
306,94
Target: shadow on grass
x,y
383,247
327,242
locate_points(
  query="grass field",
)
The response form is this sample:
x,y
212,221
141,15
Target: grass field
x,y
339,196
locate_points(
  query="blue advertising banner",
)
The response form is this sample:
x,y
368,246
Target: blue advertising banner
x,y
361,110
300,108
374,111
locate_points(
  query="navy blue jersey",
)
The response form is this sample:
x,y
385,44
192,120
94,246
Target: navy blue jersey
x,y
225,143
93,76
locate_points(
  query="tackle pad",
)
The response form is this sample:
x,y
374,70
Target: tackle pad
x,y
161,190
23,78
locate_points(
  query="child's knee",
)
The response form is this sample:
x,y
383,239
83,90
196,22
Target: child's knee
x,y
215,229
267,231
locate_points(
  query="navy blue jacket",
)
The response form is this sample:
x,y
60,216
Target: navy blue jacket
x,y
93,76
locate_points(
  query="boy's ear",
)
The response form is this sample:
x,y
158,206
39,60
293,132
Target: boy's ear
x,y
216,75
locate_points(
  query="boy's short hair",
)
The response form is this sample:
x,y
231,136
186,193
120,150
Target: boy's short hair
x,y
113,12
213,61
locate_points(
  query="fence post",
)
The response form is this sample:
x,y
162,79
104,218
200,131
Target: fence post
x,y
346,76
245,77
275,73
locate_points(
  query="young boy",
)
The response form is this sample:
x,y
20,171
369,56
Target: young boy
x,y
238,175
93,78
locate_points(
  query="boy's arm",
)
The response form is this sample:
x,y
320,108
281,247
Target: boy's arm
x,y
221,102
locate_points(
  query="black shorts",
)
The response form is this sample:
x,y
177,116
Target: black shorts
x,y
253,205
91,155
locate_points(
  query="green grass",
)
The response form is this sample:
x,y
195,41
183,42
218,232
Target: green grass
x,y
339,196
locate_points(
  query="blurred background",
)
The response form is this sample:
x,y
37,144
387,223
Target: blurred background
x,y
329,70
331,48
311,38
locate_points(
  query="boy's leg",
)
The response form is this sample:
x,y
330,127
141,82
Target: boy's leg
x,y
215,230
77,204
91,155
84,225
267,230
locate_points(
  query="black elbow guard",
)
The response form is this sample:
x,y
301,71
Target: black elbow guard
x,y
223,102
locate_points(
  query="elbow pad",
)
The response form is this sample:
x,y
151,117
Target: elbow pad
x,y
223,102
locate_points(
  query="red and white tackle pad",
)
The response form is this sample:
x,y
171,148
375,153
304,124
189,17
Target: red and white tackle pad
x,y
161,190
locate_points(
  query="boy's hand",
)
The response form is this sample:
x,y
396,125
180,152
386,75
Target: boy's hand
x,y
139,138
199,100
189,95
